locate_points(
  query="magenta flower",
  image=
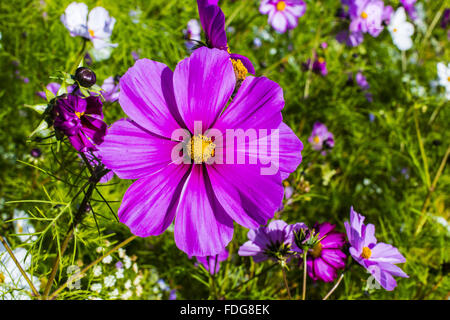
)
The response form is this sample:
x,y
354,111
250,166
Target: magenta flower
x,y
271,242
204,198
283,15
80,120
212,263
320,137
326,257
445,18
212,20
366,16
351,39
378,258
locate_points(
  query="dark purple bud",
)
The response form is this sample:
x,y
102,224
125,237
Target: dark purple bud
x,y
36,153
85,76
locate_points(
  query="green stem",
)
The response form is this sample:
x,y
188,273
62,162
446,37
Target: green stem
x,y
5,244
334,287
286,283
305,253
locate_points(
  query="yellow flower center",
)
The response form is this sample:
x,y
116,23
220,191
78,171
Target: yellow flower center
x,y
395,30
239,70
316,139
200,148
316,250
20,228
281,5
79,114
2,277
366,253
321,60
91,32
448,79
364,15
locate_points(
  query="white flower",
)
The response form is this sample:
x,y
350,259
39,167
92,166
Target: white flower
x,y
127,295
97,287
121,253
97,271
114,294
127,262
96,27
109,281
444,77
14,286
119,273
127,284
107,259
401,30
192,33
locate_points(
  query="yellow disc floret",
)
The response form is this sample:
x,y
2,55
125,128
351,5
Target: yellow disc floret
x,y
79,114
316,139
200,148
366,253
91,32
316,250
239,70
281,5
2,277
364,15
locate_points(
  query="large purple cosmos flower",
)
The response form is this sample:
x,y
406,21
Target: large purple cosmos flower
x,y
378,258
271,242
204,198
326,257
212,19
80,120
283,15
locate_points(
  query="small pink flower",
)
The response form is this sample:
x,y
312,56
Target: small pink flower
x,y
283,15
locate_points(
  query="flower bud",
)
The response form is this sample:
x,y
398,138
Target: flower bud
x,y
85,76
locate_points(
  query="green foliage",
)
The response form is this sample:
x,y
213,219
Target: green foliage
x,y
385,168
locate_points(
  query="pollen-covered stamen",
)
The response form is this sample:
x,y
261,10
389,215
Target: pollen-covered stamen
x,y
395,30
364,15
448,79
79,114
2,277
200,148
239,70
281,5
316,250
366,253
91,32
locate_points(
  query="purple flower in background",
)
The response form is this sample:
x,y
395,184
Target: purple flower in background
x,y
204,198
283,15
320,137
352,39
212,263
366,16
361,81
271,242
173,295
110,89
378,258
410,8
445,18
388,11
135,55
192,34
326,257
212,19
319,66
80,120
97,27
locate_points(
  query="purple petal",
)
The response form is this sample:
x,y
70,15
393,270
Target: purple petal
x,y
148,206
213,23
146,96
248,197
384,252
132,152
334,257
202,227
204,83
